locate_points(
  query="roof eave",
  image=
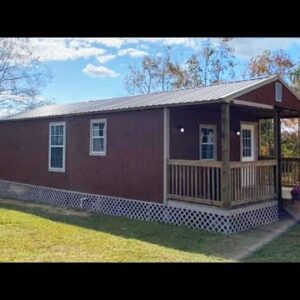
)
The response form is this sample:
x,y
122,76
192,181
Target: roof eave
x,y
252,87
259,84
213,101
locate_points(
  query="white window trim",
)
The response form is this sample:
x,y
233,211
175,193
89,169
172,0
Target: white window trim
x,y
209,126
248,126
98,153
63,169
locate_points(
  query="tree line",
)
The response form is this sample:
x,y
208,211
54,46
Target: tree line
x,y
214,63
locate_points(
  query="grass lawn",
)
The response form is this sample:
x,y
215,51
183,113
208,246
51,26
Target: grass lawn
x,y
286,248
40,233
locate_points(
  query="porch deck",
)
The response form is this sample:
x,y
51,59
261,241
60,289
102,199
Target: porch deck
x,y
201,181
198,181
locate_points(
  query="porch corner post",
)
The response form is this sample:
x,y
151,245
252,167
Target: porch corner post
x,y
225,170
277,153
166,154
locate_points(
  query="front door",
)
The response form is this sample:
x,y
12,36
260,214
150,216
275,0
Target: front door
x,y
248,138
247,142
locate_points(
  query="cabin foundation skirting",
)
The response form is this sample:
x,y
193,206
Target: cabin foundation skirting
x,y
194,216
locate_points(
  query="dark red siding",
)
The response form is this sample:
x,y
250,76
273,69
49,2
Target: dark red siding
x,y
133,167
266,95
186,145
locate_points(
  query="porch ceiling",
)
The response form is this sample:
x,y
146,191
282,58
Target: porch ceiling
x,y
288,113
256,112
265,113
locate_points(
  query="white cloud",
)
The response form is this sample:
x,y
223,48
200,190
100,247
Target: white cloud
x,y
108,42
132,52
60,49
186,42
105,58
247,47
99,71
142,46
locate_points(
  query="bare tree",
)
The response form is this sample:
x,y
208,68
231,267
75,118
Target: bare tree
x,y
194,71
271,63
206,55
179,76
295,79
154,74
21,76
145,79
213,63
164,64
134,80
223,61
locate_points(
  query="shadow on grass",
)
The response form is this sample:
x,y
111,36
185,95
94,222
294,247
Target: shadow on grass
x,y
170,236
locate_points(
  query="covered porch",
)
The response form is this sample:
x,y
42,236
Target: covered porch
x,y
225,169
201,182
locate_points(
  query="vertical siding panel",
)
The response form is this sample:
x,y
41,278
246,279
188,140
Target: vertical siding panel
x,y
176,180
196,181
138,165
192,182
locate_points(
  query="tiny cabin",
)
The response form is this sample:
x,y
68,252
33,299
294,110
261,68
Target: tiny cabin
x,y
191,150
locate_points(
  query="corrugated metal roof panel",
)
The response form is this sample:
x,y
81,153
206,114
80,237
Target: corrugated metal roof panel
x,y
183,96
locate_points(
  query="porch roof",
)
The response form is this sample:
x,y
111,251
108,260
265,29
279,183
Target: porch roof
x,y
199,95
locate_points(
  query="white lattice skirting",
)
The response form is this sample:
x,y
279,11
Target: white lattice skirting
x,y
202,217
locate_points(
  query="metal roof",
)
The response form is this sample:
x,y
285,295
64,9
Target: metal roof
x,y
170,98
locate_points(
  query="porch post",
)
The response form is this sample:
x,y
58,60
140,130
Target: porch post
x,y
277,154
225,138
166,154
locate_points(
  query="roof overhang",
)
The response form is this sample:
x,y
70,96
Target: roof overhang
x,y
251,104
258,85
228,98
160,106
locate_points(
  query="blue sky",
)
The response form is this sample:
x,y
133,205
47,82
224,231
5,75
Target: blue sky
x,y
94,68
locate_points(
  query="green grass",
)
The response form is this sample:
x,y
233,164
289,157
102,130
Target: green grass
x,y
285,248
30,232
40,233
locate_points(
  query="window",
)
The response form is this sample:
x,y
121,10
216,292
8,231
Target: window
x,y
208,142
98,137
278,92
57,147
246,143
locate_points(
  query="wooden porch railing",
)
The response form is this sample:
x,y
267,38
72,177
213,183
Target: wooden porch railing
x,y
290,170
195,181
252,181
200,181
